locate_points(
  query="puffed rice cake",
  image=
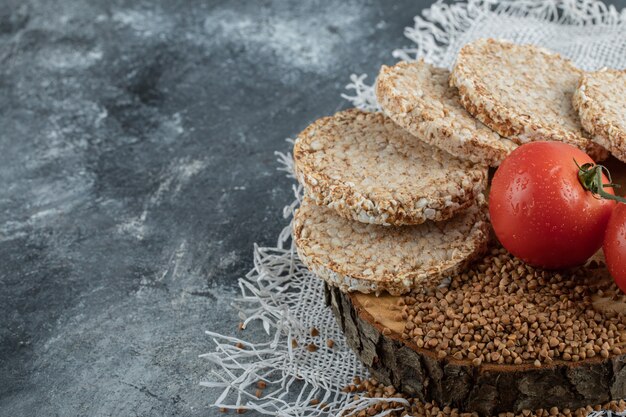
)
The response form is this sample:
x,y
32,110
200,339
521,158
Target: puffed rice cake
x,y
418,97
523,92
368,258
600,100
368,169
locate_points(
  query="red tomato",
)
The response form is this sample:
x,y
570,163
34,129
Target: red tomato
x,y
615,246
540,211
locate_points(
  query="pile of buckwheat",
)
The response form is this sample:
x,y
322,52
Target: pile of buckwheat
x,y
503,311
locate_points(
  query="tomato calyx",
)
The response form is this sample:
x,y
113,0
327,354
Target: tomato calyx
x,y
590,177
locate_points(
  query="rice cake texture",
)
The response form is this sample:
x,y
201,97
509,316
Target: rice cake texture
x,y
368,169
600,100
418,97
523,92
368,258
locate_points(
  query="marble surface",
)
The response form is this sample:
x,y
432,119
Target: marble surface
x,y
137,169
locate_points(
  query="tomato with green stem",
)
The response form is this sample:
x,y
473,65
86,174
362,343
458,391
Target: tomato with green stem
x,y
550,204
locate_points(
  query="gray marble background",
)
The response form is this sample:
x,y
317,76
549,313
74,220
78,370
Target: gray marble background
x,y
137,169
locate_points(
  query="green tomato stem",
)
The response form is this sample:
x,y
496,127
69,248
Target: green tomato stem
x,y
590,177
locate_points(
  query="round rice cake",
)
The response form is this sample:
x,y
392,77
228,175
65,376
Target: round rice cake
x,y
368,258
523,92
418,97
600,100
370,170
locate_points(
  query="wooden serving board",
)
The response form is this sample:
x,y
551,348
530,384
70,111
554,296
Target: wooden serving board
x,y
487,389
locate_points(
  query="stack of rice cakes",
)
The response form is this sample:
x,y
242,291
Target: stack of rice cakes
x,y
384,211
395,203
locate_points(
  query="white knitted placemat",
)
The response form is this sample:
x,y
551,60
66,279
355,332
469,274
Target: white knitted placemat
x,y
289,300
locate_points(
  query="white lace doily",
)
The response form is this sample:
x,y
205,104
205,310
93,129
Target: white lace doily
x,y
288,300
